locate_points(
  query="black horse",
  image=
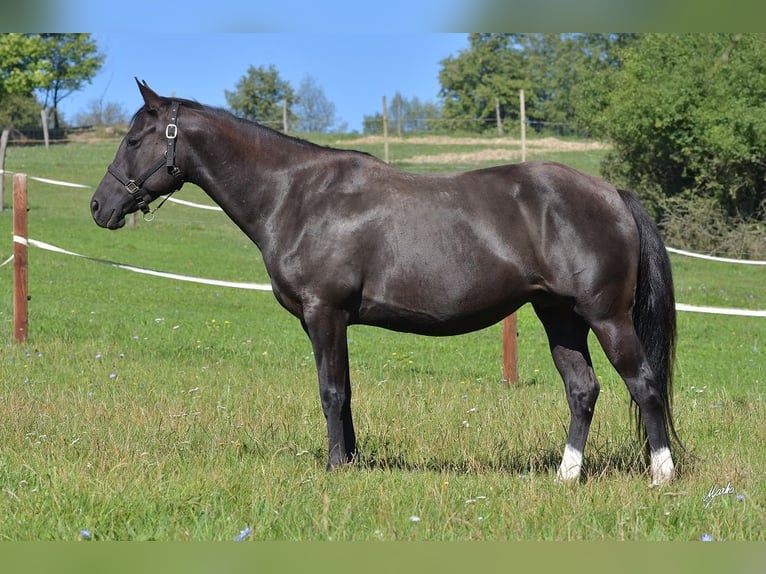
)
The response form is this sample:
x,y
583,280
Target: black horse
x,y
348,239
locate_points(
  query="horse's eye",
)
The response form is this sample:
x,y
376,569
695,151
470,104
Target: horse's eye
x,y
132,142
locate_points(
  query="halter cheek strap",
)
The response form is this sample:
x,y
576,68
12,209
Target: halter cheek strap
x,y
171,134
133,186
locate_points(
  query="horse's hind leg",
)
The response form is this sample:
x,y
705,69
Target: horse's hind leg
x,y
568,338
622,346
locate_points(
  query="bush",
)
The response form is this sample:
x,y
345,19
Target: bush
x,y
686,119
701,225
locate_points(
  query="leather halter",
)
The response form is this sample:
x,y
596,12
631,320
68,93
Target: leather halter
x,y
133,186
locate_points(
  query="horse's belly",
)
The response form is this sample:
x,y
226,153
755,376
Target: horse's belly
x,y
444,305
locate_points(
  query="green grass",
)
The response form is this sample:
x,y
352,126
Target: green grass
x,y
143,408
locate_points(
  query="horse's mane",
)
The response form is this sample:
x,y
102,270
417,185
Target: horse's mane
x,y
226,115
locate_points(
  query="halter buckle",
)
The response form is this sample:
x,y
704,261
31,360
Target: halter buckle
x,y
132,187
171,131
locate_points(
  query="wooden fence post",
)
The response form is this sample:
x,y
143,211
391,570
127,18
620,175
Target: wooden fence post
x,y
20,291
510,350
44,118
398,100
498,117
385,131
510,324
523,121
3,146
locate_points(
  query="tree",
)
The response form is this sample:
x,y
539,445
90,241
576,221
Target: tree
x,y
590,92
405,116
314,111
260,96
73,60
23,66
18,111
551,68
98,113
488,74
22,69
54,65
686,118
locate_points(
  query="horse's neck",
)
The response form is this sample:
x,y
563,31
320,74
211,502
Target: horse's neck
x,y
245,169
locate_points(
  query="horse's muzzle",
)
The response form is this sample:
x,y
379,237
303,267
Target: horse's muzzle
x,y
110,220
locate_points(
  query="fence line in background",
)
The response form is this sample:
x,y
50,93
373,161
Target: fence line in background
x,y
192,204
714,258
267,287
50,181
145,271
216,208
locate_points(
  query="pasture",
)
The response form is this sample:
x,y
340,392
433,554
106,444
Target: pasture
x,y
144,408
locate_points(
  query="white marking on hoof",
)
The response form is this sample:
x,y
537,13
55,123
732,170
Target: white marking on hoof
x,y
571,463
663,469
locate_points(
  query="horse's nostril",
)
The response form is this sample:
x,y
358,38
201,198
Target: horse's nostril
x,y
94,206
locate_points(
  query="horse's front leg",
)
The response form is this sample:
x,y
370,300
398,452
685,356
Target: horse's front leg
x,y
326,328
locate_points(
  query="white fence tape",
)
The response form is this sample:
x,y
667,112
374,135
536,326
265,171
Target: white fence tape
x,y
176,276
51,181
713,258
196,205
267,287
84,186
720,310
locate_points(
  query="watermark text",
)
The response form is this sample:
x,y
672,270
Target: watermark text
x,y
714,493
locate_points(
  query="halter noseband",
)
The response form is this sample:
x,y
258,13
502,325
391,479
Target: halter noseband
x,y
133,186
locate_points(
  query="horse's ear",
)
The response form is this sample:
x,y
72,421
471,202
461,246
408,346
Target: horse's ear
x,y
151,99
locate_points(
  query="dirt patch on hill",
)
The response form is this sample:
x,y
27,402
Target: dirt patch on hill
x,y
547,144
479,156
496,150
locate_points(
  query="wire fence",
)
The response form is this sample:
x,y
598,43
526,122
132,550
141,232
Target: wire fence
x,y
371,125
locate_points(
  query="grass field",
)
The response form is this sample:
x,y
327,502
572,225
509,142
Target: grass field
x,y
148,409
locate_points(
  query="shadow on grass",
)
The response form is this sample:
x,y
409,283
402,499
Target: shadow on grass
x,y
624,458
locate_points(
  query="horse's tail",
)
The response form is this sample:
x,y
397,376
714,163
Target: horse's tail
x,y
654,310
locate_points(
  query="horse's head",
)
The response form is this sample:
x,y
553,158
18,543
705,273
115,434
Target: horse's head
x,y
145,165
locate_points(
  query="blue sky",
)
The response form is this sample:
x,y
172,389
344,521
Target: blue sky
x,y
277,16
355,70
356,50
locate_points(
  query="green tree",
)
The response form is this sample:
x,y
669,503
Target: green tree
x,y
54,65
405,115
18,111
260,95
553,70
489,73
591,90
73,60
23,66
22,69
686,118
559,67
